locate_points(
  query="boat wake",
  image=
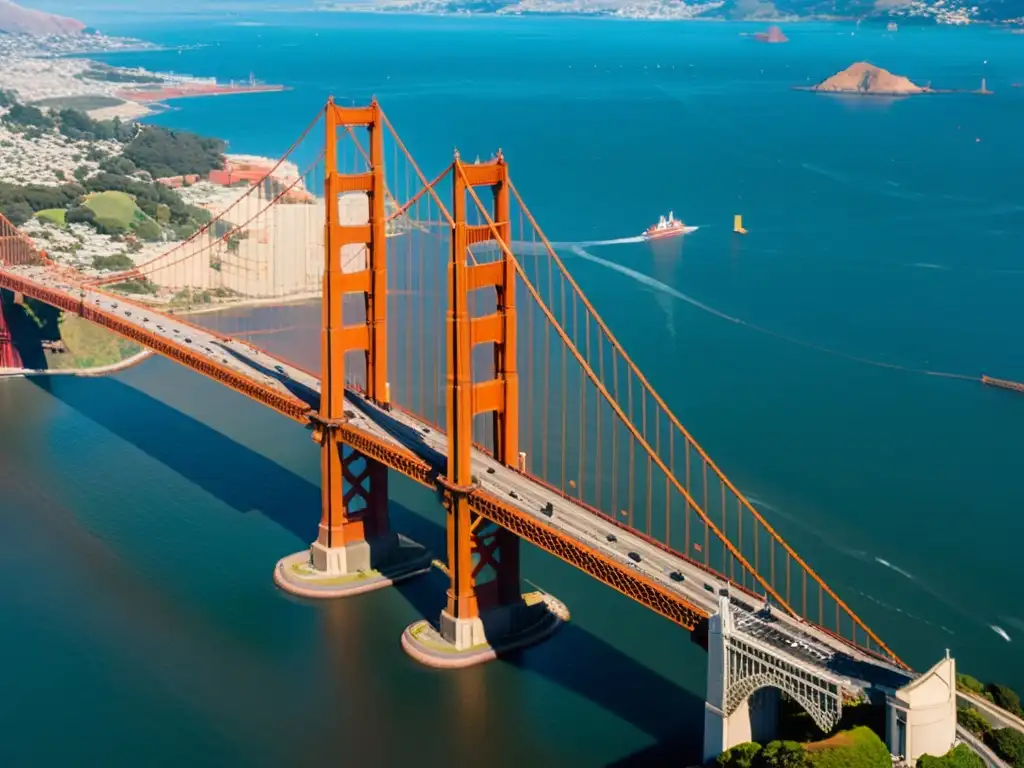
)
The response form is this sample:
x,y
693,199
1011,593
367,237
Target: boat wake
x,y
603,243
657,285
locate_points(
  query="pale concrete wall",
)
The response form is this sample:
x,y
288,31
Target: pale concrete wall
x,y
718,736
282,255
921,716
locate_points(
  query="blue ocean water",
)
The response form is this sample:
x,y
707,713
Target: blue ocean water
x,y
881,231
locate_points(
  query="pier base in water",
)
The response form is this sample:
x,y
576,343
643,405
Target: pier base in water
x,y
458,643
358,567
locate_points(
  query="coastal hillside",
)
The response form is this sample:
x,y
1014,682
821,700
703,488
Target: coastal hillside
x,y
901,11
14,19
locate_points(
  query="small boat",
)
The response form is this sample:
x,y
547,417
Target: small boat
x,y
669,227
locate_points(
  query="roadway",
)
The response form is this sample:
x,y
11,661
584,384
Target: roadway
x,y
996,716
990,758
800,642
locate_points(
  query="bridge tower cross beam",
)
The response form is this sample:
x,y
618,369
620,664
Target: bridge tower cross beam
x,y
355,551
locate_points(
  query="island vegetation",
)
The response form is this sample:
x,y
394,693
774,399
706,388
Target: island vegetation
x,y
1007,743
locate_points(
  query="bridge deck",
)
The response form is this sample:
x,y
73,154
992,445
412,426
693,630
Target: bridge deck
x,y
663,580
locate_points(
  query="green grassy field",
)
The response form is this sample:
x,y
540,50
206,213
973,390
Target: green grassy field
x,y
89,346
115,206
118,212
52,215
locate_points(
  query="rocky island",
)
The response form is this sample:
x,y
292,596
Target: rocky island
x,y
866,79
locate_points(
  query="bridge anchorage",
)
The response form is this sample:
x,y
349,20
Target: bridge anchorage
x,y
458,351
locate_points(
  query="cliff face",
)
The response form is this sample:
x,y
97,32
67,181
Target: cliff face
x,y
867,78
17,20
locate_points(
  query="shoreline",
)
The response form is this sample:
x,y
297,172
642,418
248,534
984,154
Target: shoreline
x,y
100,370
139,357
202,309
892,94
135,107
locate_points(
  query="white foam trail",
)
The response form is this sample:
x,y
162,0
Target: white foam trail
x,y
896,568
650,282
527,247
625,240
660,286
1001,632
618,241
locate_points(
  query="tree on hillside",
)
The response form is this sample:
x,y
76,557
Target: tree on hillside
x,y
740,756
782,754
119,165
971,684
973,721
1008,744
20,114
18,203
163,152
1004,697
17,212
961,756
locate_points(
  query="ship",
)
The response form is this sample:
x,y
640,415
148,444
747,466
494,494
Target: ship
x,y
669,227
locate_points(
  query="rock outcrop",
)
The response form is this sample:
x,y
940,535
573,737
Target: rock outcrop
x,y
17,20
772,35
866,78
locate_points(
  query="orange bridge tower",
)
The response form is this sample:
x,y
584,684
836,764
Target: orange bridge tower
x,y
485,613
355,550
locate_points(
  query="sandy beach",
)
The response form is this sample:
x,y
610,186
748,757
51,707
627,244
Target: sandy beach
x,y
128,110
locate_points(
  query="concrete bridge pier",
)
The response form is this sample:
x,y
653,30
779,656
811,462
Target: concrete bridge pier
x,y
746,680
355,550
754,717
921,716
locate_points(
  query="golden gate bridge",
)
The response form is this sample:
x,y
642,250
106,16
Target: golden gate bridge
x,y
457,349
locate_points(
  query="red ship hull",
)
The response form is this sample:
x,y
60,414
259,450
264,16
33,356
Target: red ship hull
x,y
661,234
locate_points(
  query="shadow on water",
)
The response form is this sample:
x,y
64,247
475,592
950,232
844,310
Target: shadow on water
x,y
574,659
212,461
26,334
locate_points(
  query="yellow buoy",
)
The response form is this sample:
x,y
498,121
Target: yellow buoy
x,y
737,225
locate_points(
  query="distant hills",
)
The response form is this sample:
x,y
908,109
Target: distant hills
x,y
884,10
900,11
17,20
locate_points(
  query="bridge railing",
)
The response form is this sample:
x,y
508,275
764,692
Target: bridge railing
x,y
16,249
